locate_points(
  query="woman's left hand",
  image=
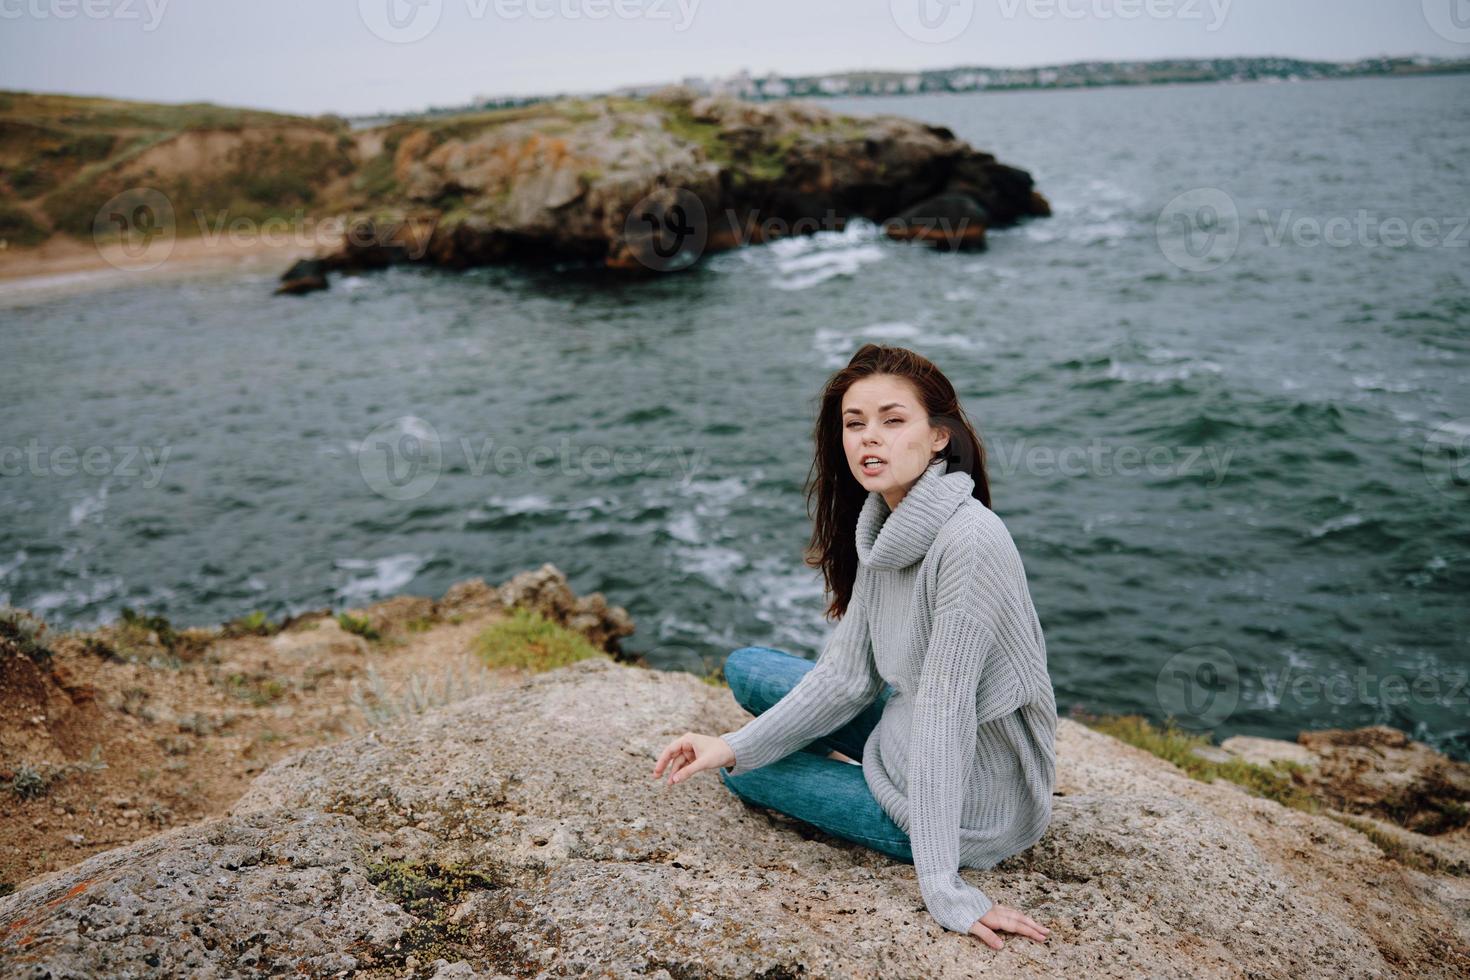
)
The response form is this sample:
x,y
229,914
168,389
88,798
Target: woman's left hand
x,y
691,752
1004,917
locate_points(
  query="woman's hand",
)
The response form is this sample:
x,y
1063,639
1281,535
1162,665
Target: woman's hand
x,y
1009,919
689,753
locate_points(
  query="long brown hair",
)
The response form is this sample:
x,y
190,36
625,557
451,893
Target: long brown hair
x,y
837,494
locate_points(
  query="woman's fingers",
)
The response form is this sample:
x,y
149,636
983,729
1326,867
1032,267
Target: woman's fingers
x,y
677,745
680,759
1014,920
991,939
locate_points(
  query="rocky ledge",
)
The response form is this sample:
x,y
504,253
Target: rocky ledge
x,y
519,833
653,185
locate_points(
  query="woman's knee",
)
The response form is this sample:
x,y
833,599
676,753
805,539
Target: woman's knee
x,y
736,670
756,676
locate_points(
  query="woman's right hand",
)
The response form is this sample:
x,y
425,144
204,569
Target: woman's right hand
x,y
1011,920
691,752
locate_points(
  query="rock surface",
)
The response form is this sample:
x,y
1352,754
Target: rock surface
x,y
519,833
653,185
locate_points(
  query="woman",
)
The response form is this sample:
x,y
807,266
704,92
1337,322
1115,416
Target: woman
x,y
936,676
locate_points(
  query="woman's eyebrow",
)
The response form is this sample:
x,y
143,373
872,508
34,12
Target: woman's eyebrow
x,y
881,408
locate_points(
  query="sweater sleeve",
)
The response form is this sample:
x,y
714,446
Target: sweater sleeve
x,y
843,681
942,741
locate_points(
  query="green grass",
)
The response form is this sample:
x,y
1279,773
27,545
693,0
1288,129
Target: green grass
x,y
74,112
22,631
375,179
1395,849
34,781
1177,746
769,162
19,228
257,691
358,625
255,623
528,640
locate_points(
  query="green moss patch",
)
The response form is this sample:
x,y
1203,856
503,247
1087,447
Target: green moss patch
x,y
1275,782
528,640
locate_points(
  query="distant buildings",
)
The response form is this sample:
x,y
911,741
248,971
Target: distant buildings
x,y
971,78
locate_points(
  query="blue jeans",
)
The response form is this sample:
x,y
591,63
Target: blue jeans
x,y
826,793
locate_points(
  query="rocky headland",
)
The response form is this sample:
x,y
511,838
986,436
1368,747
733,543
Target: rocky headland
x,y
653,185
462,787
637,186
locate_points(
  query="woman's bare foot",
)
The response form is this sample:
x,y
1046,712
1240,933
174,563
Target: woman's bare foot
x,y
834,754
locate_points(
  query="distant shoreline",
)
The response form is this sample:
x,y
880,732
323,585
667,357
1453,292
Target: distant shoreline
x,y
64,266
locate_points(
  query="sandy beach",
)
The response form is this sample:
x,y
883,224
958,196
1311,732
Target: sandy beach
x,y
65,265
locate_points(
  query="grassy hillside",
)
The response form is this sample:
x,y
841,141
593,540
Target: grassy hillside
x,y
63,157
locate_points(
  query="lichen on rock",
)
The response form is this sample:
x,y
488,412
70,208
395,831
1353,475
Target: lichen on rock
x,y
520,833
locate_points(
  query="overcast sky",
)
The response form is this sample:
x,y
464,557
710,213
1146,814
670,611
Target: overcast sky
x,y
356,56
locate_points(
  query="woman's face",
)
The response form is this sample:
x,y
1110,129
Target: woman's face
x,y
882,417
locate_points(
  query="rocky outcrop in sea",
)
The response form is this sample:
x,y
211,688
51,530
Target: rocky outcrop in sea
x,y
654,185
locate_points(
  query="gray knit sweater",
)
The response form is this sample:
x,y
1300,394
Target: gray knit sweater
x,y
963,758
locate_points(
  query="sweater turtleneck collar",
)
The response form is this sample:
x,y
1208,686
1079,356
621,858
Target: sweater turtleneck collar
x,y
899,537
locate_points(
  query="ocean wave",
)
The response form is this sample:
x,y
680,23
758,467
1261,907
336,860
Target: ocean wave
x,y
90,505
836,344
804,261
384,577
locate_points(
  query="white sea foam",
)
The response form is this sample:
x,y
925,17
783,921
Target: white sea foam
x,y
530,503
721,566
1336,524
384,577
809,270
7,567
92,503
1143,374
803,261
1377,382
90,592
